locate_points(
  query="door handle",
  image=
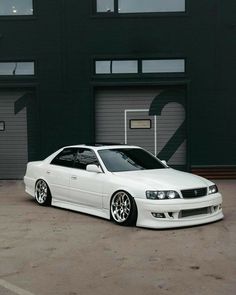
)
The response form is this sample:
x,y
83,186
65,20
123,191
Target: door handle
x,y
48,172
74,177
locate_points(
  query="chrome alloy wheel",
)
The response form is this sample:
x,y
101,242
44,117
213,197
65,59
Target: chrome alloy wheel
x,y
41,192
120,207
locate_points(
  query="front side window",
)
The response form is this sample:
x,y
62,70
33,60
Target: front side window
x,y
85,157
129,159
16,7
65,158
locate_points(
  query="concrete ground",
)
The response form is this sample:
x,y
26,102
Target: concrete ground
x,y
53,251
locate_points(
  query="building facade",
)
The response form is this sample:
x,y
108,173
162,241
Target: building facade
x,y
154,73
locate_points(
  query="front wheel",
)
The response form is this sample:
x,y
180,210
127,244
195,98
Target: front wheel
x,y
123,208
42,193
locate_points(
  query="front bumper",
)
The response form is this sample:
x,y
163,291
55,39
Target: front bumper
x,y
174,214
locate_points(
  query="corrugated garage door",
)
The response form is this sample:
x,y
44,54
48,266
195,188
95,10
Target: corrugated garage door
x,y
123,116
13,137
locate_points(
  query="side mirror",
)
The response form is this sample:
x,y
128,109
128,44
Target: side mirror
x,y
93,168
164,162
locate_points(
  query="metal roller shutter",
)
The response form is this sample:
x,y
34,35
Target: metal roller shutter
x,y
122,116
13,137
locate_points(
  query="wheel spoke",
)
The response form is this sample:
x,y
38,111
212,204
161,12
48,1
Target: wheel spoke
x,y
120,207
41,192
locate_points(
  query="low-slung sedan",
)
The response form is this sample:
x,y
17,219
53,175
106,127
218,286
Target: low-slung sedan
x,y
124,183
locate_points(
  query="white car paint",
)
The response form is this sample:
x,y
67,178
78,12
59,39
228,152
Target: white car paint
x,y
91,192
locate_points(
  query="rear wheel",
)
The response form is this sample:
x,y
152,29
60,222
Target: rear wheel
x,y
123,208
42,193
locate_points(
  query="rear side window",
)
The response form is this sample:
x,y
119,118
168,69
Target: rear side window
x,y
65,158
85,157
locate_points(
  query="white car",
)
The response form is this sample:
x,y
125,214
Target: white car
x,y
124,183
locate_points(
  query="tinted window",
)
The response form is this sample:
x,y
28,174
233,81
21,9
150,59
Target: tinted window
x,y
85,157
117,160
65,158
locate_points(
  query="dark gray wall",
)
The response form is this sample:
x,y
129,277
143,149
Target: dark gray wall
x,y
64,36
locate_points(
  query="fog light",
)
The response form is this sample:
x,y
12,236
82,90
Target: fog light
x,y
158,215
171,214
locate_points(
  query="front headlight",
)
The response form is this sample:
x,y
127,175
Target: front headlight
x,y
212,189
161,195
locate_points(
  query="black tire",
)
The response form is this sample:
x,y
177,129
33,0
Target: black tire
x,y
123,209
42,193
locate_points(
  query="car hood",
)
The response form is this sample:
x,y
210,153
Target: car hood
x,y
166,178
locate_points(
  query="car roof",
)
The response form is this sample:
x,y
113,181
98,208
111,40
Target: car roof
x,y
102,146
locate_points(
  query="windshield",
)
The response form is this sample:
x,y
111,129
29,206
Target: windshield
x,y
129,159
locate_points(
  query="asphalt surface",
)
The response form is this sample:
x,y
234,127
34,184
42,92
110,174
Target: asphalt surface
x,y
54,251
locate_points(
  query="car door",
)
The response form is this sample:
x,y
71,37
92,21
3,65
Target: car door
x,y
58,174
86,188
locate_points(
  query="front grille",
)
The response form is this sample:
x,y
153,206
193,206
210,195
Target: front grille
x,y
194,193
194,212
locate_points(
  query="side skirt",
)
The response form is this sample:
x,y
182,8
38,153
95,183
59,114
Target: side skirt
x,y
79,208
